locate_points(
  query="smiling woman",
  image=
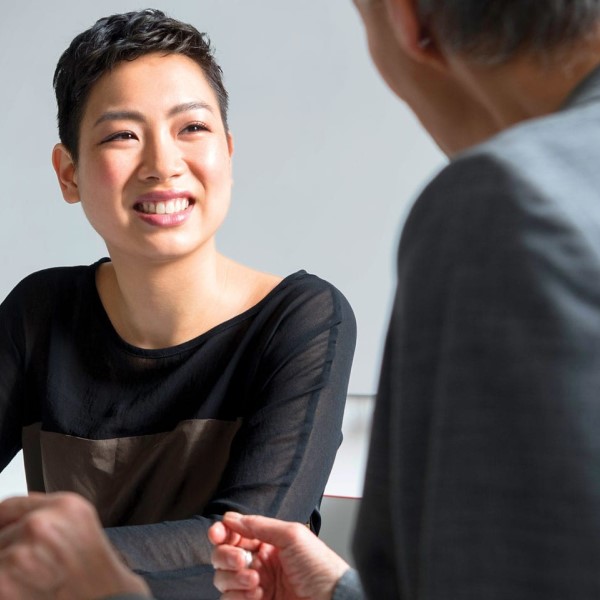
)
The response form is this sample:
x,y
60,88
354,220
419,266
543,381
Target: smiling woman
x,y
166,383
151,134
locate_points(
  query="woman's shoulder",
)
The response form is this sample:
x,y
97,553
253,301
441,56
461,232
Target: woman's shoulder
x,y
299,285
45,283
310,284
251,287
37,299
310,299
300,296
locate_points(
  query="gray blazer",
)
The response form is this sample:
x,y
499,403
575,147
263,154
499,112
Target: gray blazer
x,y
483,481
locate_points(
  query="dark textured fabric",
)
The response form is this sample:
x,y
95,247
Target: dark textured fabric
x,y
277,374
483,480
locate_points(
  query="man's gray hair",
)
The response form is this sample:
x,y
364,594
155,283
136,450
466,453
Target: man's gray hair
x,y
493,31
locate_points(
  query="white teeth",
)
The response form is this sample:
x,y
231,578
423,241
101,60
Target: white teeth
x,y
164,208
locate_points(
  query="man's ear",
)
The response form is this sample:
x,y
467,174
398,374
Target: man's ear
x,y
413,35
66,172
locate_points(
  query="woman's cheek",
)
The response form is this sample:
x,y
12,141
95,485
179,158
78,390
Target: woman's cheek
x,y
213,162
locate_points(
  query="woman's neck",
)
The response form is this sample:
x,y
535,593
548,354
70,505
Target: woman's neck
x,y
157,305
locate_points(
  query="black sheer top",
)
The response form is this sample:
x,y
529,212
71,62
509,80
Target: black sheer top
x,y
245,417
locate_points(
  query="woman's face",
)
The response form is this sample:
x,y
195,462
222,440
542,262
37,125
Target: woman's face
x,y
154,167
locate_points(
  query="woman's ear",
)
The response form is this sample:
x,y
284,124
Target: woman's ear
x,y
66,172
412,34
230,143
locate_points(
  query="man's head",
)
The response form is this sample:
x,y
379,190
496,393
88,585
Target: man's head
x,y
469,68
494,31
125,37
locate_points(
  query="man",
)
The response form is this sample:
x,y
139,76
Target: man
x,y
482,479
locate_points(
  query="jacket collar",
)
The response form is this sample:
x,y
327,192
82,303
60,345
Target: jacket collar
x,y
588,89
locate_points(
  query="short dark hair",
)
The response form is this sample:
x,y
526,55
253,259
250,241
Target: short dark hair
x,y
494,31
122,37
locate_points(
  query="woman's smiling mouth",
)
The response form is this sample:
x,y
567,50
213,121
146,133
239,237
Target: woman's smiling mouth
x,y
163,207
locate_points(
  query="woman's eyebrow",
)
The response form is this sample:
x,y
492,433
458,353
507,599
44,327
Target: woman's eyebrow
x,y
133,115
120,115
188,106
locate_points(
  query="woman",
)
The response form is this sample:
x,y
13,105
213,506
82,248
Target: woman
x,y
167,383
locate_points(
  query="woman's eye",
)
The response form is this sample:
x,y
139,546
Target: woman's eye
x,y
195,128
121,135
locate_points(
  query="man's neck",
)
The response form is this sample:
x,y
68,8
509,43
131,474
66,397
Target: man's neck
x,y
527,87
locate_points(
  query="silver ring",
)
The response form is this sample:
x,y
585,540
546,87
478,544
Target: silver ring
x,y
248,558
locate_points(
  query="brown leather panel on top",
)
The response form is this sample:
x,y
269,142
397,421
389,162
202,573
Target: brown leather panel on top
x,y
133,480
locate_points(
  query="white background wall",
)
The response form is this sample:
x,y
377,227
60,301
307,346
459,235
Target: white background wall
x,y
326,160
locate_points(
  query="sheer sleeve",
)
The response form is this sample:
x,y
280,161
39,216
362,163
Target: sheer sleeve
x,y
282,454
11,378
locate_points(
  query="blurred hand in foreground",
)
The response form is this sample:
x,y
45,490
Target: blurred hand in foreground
x,y
53,546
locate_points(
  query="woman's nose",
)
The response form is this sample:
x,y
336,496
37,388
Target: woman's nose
x,y
162,159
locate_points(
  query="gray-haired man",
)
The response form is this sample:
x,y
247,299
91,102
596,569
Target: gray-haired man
x,y
483,479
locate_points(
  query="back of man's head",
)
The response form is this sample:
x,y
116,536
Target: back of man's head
x,y
494,31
